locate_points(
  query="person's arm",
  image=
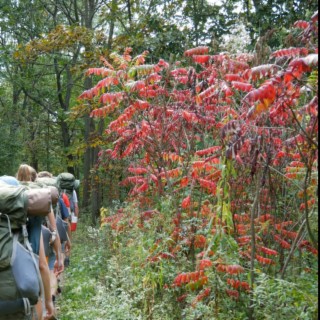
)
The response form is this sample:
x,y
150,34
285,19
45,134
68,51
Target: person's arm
x,y
67,247
76,209
75,201
56,243
45,276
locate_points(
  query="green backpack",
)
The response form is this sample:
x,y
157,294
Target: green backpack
x,y
67,183
48,181
19,268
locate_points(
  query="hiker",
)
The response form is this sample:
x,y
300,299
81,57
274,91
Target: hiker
x,y
19,270
27,174
47,178
39,204
67,184
66,248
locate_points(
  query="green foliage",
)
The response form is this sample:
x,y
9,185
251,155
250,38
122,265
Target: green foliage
x,y
92,283
286,299
109,283
10,147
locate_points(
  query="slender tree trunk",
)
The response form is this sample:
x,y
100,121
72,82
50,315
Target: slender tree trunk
x,y
91,191
112,23
87,155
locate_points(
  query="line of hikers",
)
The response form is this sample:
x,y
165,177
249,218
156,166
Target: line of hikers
x,y
36,215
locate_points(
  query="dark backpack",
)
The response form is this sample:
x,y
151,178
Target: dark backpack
x,y
67,183
19,268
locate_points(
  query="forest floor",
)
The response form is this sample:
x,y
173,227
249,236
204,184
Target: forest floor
x,y
79,281
91,286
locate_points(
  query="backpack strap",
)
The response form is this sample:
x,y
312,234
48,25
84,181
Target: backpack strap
x,y
9,224
27,307
58,209
28,246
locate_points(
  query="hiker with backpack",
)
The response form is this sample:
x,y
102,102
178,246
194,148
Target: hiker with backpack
x,y
27,175
61,211
67,184
20,277
66,248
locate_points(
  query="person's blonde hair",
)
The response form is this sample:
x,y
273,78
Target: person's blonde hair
x,y
26,173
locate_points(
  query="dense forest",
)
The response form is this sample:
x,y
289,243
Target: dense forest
x,y
192,125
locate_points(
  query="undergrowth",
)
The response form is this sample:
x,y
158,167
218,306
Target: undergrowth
x,y
111,277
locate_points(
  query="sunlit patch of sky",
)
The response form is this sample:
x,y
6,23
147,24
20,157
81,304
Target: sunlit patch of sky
x,y
237,7
217,2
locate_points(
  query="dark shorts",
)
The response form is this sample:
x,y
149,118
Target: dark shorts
x,y
19,316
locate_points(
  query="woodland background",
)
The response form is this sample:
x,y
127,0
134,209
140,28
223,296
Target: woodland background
x,y
193,127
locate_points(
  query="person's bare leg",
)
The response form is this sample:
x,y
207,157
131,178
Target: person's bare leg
x,y
45,275
54,283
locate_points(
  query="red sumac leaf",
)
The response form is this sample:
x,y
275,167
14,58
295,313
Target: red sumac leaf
x,y
234,269
290,52
143,188
107,82
104,72
268,251
196,51
247,87
102,112
233,77
207,93
260,72
111,97
205,263
301,24
263,260
201,58
137,170
186,202
233,293
208,151
284,244
266,91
